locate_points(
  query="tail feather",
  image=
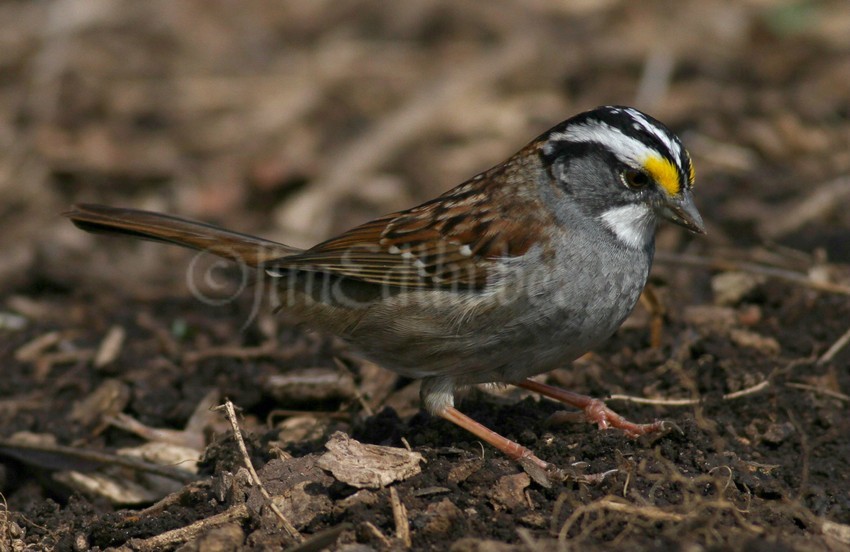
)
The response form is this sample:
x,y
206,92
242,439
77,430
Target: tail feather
x,y
170,229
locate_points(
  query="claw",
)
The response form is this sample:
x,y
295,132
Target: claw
x,y
667,426
597,478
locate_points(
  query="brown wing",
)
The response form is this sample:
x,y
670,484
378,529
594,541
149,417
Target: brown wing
x,y
449,241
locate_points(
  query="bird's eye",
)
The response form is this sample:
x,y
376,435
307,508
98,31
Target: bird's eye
x,y
635,180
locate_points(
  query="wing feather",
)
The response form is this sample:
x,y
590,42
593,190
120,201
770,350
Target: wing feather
x,y
450,241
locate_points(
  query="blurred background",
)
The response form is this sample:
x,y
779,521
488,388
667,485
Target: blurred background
x,y
298,119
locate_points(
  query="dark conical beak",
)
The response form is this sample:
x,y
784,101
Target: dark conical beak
x,y
682,211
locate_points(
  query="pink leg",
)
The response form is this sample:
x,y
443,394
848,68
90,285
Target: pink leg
x,y
594,410
513,450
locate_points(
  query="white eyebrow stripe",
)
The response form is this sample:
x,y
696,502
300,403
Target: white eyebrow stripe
x,y
629,150
664,137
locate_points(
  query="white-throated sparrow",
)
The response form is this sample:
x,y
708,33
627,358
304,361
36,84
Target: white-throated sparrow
x,y
516,271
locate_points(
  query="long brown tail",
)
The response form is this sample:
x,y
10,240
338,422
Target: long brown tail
x,y
169,229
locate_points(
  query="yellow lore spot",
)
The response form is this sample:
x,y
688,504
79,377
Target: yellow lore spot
x,y
664,172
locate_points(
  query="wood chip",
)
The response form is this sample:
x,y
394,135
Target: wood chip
x,y
730,288
110,347
367,466
108,399
709,318
509,492
463,470
441,517
836,531
301,504
310,386
32,350
746,338
10,321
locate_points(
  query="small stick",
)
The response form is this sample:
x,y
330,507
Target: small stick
x,y
369,526
402,525
656,402
237,434
269,349
821,390
825,198
50,453
169,345
836,347
288,413
169,539
770,271
688,402
364,404
748,391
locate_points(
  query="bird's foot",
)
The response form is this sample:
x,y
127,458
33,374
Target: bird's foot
x,y
593,410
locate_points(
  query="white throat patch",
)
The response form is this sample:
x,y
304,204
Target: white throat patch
x,y
632,224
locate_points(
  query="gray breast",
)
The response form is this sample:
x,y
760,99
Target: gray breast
x,y
574,303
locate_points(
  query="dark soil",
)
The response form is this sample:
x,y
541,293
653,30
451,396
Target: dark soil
x,y
295,120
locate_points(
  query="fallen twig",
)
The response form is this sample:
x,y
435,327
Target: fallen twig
x,y
653,513
839,344
820,390
269,349
754,268
168,540
230,412
402,524
64,457
824,199
688,402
